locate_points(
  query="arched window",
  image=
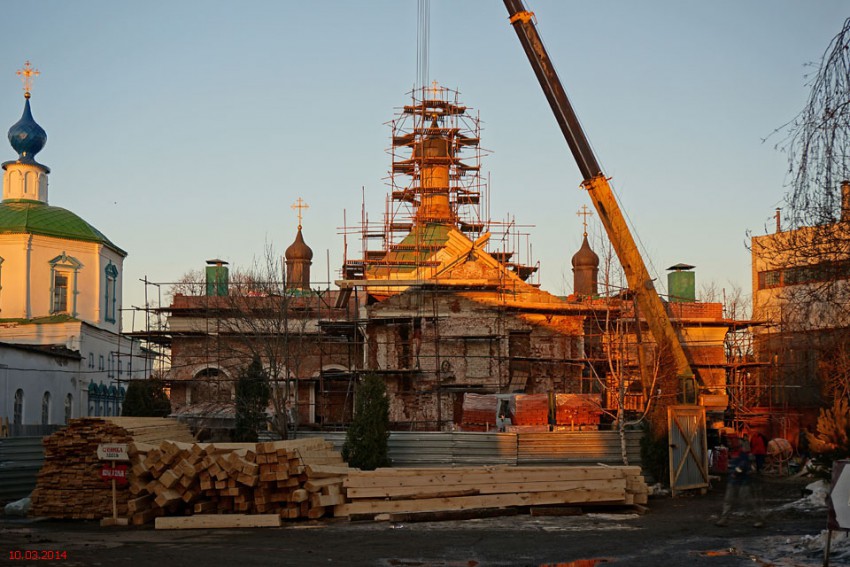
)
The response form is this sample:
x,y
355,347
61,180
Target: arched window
x,y
69,405
92,389
102,401
211,385
113,401
18,418
45,408
110,298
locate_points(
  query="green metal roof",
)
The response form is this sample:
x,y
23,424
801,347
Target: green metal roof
x,y
35,217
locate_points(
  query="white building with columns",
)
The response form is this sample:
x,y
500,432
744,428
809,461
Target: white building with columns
x,y
62,354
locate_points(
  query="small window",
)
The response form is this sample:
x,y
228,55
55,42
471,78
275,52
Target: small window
x,y
45,408
60,292
63,281
111,371
91,360
100,365
120,367
18,418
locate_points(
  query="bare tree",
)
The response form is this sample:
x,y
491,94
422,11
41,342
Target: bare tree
x,y
804,269
818,139
260,318
811,253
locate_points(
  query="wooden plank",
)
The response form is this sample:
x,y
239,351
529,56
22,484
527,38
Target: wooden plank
x,y
447,515
556,511
325,471
483,501
215,521
415,491
476,476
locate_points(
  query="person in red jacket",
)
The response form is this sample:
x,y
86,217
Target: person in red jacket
x,y
758,449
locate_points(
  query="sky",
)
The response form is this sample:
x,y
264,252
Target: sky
x,y
185,130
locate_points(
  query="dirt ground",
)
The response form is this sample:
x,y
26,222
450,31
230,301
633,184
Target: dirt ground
x,y
673,532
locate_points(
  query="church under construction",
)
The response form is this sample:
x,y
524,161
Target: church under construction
x,y
443,306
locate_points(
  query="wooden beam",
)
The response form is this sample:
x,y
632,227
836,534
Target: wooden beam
x,y
211,521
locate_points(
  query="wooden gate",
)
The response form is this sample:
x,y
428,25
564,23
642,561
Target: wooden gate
x,y
688,448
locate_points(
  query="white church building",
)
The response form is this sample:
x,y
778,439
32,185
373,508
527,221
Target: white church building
x,y
62,354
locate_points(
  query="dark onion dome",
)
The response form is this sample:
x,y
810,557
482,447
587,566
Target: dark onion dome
x,y
585,257
34,217
27,137
299,250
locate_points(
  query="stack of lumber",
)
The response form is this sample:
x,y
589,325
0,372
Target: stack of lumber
x,y
291,479
69,485
384,492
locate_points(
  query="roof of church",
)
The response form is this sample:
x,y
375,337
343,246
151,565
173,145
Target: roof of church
x,y
585,257
35,217
299,250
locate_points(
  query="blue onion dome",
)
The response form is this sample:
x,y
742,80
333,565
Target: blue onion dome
x,y
27,137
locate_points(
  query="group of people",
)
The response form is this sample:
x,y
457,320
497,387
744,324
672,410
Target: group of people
x,y
746,456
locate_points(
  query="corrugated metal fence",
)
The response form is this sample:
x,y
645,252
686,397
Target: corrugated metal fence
x,y
461,448
20,461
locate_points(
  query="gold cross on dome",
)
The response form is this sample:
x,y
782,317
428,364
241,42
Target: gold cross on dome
x,y
584,213
299,205
26,74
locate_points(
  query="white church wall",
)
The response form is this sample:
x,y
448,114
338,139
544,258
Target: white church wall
x,y
31,297
35,374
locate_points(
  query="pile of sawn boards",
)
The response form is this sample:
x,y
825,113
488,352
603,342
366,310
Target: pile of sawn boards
x,y
292,479
169,474
69,485
384,492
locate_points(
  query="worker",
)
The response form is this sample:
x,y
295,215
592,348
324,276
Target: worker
x,y
739,487
758,449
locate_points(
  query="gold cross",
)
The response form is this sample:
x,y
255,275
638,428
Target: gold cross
x,y
300,205
584,213
26,74
435,89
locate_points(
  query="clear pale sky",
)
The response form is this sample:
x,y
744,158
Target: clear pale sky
x,y
185,130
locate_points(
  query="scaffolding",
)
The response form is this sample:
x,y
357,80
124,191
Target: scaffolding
x,y
435,178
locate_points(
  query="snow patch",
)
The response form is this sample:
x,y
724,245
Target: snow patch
x,y
815,500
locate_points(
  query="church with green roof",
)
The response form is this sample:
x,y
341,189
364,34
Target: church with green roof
x,y
63,354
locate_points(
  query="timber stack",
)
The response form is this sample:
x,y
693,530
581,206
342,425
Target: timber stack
x,y
294,479
69,486
171,475
393,494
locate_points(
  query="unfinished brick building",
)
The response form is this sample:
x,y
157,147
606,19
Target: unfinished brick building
x,y
432,309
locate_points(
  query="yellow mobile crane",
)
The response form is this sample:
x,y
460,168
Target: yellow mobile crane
x,y
600,192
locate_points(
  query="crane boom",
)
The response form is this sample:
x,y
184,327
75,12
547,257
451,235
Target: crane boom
x,y
599,189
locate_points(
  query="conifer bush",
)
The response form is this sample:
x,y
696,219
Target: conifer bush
x,y
146,398
366,441
252,399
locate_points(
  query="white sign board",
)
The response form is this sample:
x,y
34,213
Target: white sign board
x,y
112,452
